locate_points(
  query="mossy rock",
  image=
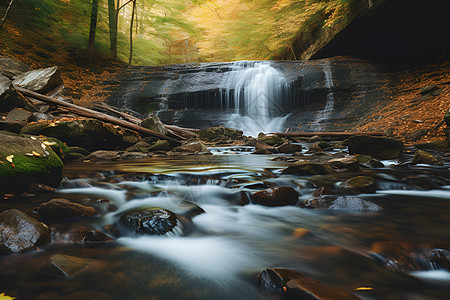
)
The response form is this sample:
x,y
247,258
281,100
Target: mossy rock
x,y
360,184
79,150
57,146
215,133
87,133
272,140
160,145
154,123
24,161
424,157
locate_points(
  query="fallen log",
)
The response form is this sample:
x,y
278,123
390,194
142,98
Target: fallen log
x,y
85,112
326,134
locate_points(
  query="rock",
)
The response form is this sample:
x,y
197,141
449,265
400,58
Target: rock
x,y
446,116
395,255
417,134
219,133
350,163
103,155
360,184
12,68
140,146
277,196
86,133
19,115
56,145
289,148
40,80
272,140
69,267
149,221
320,191
380,147
297,286
8,96
19,232
64,209
442,144
340,203
305,168
86,236
315,148
133,155
160,145
152,122
192,147
424,157
11,126
324,145
373,163
263,148
315,139
428,89
447,132
25,161
38,188
441,257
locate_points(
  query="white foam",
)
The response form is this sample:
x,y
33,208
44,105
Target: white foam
x,y
433,275
116,196
428,194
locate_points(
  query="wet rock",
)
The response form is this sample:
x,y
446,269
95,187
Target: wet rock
x,y
140,146
360,184
11,126
340,203
40,80
149,221
8,95
277,196
242,198
289,148
319,192
86,133
38,188
192,147
272,140
12,68
297,286
19,115
441,257
220,133
315,148
25,161
19,232
64,209
69,267
152,122
315,139
264,148
442,144
349,163
395,255
160,145
305,168
87,236
103,155
424,157
324,145
133,155
380,147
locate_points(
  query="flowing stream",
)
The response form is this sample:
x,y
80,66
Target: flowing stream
x,y
228,245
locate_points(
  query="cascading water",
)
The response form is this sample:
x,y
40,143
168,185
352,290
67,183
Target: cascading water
x,y
324,115
256,92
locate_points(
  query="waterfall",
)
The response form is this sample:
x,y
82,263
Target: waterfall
x,y
255,92
324,115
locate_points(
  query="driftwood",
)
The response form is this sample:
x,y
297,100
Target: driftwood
x,y
125,116
85,112
326,134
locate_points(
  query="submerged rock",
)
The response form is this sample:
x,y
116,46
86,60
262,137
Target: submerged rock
x,y
149,221
69,267
64,209
380,147
40,80
360,184
305,168
440,257
424,157
86,236
297,286
25,161
277,196
19,232
340,203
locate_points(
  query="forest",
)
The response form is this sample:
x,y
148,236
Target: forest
x,y
152,32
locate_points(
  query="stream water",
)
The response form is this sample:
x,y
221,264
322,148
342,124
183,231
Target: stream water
x,y
228,245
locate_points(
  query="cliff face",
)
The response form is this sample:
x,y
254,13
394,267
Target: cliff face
x,y
380,29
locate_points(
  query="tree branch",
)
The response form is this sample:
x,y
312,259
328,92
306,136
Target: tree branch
x,y
6,13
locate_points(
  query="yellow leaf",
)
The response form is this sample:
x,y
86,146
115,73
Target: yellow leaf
x,y
5,297
10,158
364,288
29,154
35,153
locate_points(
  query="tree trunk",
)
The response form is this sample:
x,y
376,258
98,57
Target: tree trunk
x,y
2,21
327,134
131,32
92,29
112,27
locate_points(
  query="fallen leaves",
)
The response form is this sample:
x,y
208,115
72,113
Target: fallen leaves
x,y
10,158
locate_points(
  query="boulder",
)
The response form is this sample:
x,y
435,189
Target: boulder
x,y
219,133
360,184
152,122
305,168
272,139
19,115
25,161
64,209
86,236
192,147
349,163
69,267
297,286
86,133
263,148
160,145
315,148
380,147
140,146
277,196
289,148
148,222
102,155
340,203
8,96
11,126
424,157
395,255
19,232
40,80
12,68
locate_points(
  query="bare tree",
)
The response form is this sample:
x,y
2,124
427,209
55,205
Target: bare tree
x,y
2,21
